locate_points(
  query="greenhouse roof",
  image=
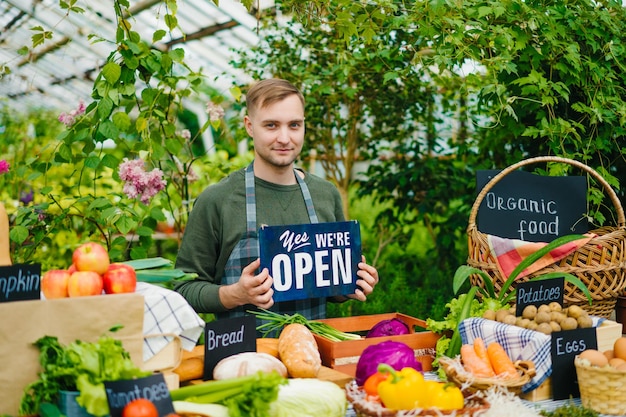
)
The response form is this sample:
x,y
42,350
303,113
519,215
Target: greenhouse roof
x,y
62,70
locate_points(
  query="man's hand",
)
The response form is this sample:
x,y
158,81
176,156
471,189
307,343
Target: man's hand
x,y
368,278
250,289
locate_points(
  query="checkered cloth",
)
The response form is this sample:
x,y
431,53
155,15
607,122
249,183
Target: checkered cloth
x,y
510,252
166,313
519,343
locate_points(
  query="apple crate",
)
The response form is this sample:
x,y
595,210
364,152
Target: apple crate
x,y
343,356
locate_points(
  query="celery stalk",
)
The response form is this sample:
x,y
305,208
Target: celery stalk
x,y
217,396
208,387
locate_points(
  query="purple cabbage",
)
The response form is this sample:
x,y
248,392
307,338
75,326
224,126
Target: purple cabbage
x,y
398,355
390,327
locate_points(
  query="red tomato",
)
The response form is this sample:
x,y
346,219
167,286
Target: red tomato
x,y
140,407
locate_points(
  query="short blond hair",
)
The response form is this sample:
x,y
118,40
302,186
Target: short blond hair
x,y
266,92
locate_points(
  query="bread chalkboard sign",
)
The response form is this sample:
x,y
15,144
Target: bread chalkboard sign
x,y
565,346
538,292
311,260
20,282
530,207
152,387
226,337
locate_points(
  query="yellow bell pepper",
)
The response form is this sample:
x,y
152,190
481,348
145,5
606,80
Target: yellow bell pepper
x,y
403,390
444,396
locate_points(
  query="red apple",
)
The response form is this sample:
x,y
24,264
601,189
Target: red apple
x,y
72,269
91,256
119,278
54,283
83,283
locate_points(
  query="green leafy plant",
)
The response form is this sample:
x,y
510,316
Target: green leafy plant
x,y
466,305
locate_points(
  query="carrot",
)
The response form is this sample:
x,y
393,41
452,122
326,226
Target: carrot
x,y
481,352
473,364
500,361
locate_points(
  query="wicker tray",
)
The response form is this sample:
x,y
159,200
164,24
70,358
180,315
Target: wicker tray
x,y
475,405
601,389
456,373
600,264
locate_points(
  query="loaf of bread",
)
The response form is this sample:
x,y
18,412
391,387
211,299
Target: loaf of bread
x,y
297,349
190,368
247,363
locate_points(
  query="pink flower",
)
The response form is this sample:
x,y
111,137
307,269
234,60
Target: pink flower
x,y
185,134
68,119
139,183
215,111
4,166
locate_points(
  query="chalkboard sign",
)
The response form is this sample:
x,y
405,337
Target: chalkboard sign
x,y
226,337
20,282
152,387
530,207
565,346
538,292
311,260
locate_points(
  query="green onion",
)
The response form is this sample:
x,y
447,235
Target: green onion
x,y
275,322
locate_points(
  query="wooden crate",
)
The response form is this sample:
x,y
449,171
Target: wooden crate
x,y
541,393
343,356
607,333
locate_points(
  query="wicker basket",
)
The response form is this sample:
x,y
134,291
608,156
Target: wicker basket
x,y
600,264
456,373
601,389
475,405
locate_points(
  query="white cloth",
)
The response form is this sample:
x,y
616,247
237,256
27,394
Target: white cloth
x,y
166,313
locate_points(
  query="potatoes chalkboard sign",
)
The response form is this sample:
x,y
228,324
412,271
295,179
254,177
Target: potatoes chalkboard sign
x,y
530,207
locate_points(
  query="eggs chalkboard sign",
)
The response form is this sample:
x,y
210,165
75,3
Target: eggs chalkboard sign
x,y
565,346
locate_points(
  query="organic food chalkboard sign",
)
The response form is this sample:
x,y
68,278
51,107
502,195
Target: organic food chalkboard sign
x,y
530,207
311,260
20,282
153,388
226,337
538,292
565,346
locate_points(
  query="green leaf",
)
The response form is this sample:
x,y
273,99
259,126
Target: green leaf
x,y
149,263
18,234
104,107
158,35
121,120
111,72
463,273
171,21
160,275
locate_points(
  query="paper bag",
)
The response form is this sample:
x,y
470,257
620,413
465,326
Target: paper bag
x,y
70,319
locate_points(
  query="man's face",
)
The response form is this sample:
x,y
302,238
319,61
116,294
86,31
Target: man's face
x,y
277,131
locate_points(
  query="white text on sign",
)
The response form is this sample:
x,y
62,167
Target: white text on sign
x,y
290,272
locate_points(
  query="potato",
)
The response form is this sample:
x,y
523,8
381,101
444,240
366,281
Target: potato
x,y
529,312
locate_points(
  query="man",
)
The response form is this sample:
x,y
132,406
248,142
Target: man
x,y
220,241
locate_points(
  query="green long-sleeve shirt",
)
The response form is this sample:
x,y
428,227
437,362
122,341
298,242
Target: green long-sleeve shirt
x,y
218,221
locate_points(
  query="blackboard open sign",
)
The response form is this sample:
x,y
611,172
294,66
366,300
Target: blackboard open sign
x,y
311,260
20,282
227,337
152,387
530,207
